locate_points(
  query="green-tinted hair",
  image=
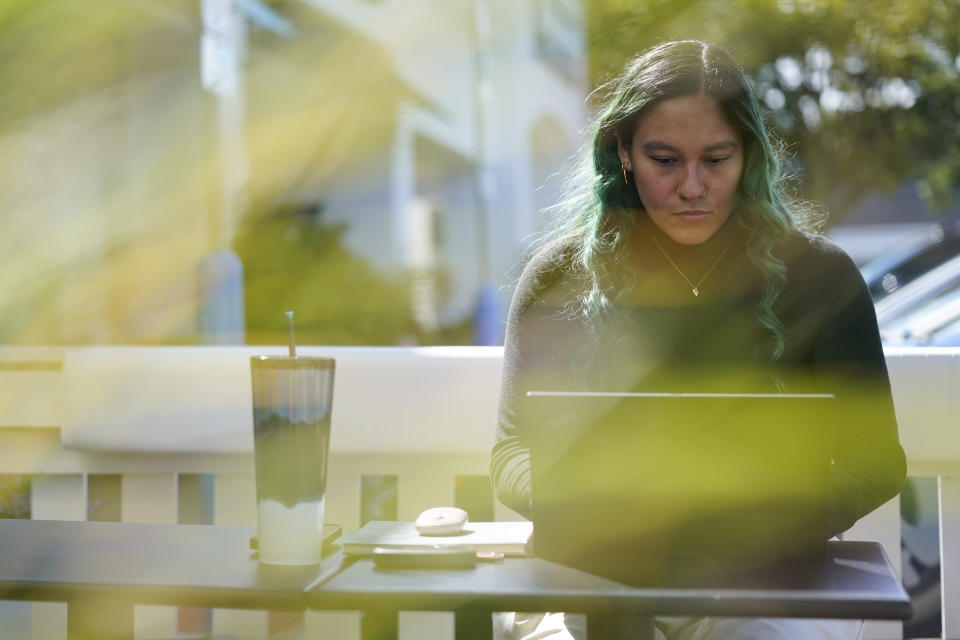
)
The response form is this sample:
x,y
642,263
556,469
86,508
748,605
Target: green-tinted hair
x,y
601,207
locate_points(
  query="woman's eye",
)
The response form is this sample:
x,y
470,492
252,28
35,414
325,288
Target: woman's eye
x,y
664,160
718,160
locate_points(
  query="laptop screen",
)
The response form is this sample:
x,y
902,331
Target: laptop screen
x,y
652,487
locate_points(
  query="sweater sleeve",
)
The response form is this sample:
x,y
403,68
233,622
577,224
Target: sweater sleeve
x,y
510,457
869,465
530,346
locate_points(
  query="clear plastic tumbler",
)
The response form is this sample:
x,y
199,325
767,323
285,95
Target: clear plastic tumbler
x,y
292,400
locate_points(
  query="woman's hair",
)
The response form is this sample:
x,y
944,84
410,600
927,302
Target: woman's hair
x,y
600,207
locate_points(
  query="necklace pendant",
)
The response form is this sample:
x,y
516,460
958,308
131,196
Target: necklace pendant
x,y
696,291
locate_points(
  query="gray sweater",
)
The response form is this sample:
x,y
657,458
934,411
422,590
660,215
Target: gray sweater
x,y
662,338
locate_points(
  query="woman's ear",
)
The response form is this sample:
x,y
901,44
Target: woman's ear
x,y
624,154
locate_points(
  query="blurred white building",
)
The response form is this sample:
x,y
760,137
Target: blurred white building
x,y
488,102
427,127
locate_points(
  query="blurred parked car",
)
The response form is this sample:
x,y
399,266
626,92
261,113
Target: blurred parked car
x,y
933,323
925,311
899,267
919,291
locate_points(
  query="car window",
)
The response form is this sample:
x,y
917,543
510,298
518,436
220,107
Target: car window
x,y
914,267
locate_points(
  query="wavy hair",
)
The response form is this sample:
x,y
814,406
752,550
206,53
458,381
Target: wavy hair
x,y
600,208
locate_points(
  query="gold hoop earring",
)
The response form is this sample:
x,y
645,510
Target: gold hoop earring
x,y
625,180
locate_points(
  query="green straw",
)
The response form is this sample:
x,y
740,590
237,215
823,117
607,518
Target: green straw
x,y
293,342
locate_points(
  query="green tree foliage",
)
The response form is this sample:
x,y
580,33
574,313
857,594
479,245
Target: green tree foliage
x,y
292,260
865,95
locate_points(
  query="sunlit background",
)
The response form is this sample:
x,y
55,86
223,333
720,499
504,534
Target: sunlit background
x,y
183,171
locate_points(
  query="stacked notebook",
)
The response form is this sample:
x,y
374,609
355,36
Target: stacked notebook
x,y
508,538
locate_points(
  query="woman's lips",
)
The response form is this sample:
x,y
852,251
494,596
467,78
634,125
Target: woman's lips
x,y
692,216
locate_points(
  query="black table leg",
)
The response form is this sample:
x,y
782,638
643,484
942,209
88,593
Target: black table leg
x,y
99,618
378,625
610,626
473,624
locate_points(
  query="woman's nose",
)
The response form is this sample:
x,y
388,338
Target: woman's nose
x,y
691,186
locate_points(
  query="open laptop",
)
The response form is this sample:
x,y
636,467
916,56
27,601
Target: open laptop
x,y
666,488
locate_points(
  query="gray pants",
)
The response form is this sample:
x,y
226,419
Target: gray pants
x,y
559,626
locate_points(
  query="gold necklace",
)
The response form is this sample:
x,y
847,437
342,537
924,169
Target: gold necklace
x,y
694,287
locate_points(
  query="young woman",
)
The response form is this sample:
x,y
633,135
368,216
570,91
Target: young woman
x,y
680,264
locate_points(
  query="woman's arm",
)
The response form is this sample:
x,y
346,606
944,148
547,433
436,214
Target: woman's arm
x,y
847,357
533,358
510,457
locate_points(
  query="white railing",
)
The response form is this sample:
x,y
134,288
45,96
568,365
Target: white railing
x,y
424,415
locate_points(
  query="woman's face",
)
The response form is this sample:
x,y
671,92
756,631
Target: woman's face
x,y
686,162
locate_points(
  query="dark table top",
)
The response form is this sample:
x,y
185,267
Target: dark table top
x,y
213,566
197,565
854,580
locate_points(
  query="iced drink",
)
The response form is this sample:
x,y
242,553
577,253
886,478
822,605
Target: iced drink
x,y
292,398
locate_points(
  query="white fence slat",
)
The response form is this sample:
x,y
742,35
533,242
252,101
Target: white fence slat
x,y
950,555
883,526
420,625
235,503
55,497
152,622
15,619
332,625
48,620
150,497
58,497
